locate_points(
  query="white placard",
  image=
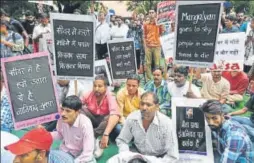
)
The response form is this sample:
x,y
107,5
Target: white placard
x,y
230,50
192,156
167,44
50,3
101,68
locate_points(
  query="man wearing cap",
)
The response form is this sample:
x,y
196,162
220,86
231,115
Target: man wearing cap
x,y
34,147
39,30
12,43
233,143
76,131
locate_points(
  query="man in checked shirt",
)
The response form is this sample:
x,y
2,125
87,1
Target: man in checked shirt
x,y
154,138
233,143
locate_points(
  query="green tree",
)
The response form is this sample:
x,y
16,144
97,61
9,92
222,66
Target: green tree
x,y
141,6
246,6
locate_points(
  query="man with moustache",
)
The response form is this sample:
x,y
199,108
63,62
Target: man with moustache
x,y
180,87
120,31
76,131
160,88
101,108
151,132
234,145
215,87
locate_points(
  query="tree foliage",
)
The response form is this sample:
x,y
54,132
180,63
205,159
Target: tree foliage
x,y
246,6
141,6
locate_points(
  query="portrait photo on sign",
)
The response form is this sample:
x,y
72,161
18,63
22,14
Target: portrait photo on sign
x,y
101,69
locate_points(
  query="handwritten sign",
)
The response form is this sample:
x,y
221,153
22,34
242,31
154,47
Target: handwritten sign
x,y
193,133
122,58
196,33
165,12
230,52
167,44
28,79
101,68
73,45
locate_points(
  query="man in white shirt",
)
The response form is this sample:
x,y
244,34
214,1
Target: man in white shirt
x,y
120,31
102,35
180,87
39,30
151,131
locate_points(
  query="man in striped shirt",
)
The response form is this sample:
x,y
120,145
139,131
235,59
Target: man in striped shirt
x,y
152,132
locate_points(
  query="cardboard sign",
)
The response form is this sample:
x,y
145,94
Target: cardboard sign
x,y
193,133
31,90
122,56
196,32
165,12
230,50
167,44
101,68
73,45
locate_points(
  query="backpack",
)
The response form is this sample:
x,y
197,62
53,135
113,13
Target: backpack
x,y
25,50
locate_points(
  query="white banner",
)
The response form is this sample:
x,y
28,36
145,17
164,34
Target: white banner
x,y
50,3
230,50
193,133
167,43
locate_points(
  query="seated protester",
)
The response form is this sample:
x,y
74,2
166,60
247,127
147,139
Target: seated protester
x,y
128,97
229,27
160,87
247,122
234,144
34,147
151,131
6,115
180,86
101,107
238,84
75,130
12,43
215,87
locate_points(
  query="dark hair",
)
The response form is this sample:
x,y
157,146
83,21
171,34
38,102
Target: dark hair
x,y
2,12
102,77
119,17
72,102
155,97
182,70
43,15
137,160
230,17
133,77
212,107
162,72
28,13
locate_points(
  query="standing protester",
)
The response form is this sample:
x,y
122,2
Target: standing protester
x,y
120,31
152,34
12,44
29,25
135,32
249,48
40,29
229,27
234,144
15,26
241,23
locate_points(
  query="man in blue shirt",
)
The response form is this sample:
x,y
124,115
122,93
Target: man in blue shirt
x,y
230,28
233,143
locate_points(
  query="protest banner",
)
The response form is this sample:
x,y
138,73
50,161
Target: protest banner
x,y
196,32
230,50
193,133
165,12
167,44
31,91
122,56
50,3
101,68
73,45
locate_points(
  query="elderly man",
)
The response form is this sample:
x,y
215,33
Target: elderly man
x,y
181,87
151,131
101,107
234,144
160,88
215,87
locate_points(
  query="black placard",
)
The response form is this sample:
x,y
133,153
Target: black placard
x,y
122,59
74,48
191,130
197,27
31,88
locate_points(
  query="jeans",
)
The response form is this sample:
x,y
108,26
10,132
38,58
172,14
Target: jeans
x,y
116,131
